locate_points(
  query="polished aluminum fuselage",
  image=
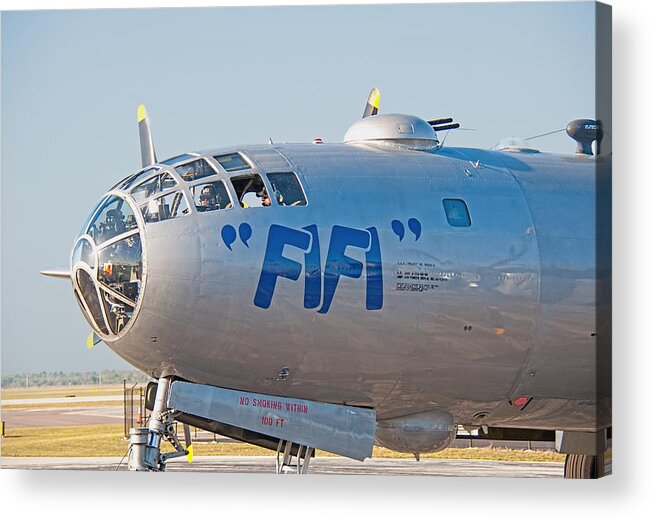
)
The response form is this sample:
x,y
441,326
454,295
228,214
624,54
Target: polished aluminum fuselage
x,y
472,318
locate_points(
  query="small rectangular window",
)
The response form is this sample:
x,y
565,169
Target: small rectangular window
x,y
195,170
251,191
211,196
287,189
171,206
232,162
457,212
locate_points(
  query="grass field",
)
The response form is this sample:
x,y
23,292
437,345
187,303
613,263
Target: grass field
x,y
108,441
68,404
70,391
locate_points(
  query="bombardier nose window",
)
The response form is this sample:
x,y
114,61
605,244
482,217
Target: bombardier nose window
x,y
114,218
107,263
84,253
120,266
89,294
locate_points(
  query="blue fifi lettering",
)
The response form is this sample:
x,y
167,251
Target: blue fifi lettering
x,y
337,264
312,296
275,264
374,290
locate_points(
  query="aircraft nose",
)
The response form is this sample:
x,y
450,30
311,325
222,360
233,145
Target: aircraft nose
x,y
107,267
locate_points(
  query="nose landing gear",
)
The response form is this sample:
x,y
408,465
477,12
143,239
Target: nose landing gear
x,y
145,443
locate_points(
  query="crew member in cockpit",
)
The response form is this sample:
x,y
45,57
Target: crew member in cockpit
x,y
130,222
264,197
113,224
207,199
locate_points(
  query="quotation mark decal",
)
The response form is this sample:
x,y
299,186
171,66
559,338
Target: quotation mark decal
x,y
399,229
245,233
414,226
229,235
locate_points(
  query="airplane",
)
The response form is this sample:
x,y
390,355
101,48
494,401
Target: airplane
x,y
384,290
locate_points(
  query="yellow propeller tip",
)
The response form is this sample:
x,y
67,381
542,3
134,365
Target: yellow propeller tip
x,y
190,453
142,113
374,98
90,342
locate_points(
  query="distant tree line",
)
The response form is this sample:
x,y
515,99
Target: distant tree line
x,y
44,379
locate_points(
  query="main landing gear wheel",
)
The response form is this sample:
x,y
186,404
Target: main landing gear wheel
x,y
584,466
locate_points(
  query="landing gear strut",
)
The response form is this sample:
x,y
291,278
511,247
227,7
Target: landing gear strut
x,y
144,443
584,466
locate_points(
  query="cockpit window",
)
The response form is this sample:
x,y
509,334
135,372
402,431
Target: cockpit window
x,y
131,179
195,170
176,159
114,218
211,196
232,162
287,189
159,183
251,191
171,206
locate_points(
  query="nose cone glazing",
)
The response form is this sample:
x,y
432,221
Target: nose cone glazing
x,y
107,267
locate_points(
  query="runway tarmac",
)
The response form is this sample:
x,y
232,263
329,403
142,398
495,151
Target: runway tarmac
x,y
318,466
62,416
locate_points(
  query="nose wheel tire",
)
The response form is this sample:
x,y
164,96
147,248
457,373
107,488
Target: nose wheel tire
x,y
584,466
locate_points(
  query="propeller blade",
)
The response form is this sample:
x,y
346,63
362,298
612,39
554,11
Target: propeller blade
x,y
92,340
188,442
147,152
62,272
373,103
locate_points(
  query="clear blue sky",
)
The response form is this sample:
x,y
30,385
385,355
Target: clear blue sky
x,y
71,82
